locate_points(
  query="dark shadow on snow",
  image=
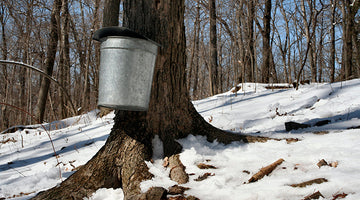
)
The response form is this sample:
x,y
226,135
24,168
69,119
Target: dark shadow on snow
x,y
32,160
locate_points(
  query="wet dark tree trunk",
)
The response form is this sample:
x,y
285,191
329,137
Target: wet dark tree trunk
x,y
171,115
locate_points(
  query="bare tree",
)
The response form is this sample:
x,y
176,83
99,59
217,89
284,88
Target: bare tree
x,y
266,69
349,9
64,60
50,59
332,41
4,122
309,21
213,64
193,72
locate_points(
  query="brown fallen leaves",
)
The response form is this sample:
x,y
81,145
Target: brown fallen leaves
x,y
204,176
323,162
339,196
315,195
175,164
205,166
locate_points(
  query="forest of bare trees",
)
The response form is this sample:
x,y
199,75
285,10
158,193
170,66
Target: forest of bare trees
x,y
228,42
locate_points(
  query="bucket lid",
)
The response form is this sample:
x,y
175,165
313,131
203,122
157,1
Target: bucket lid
x,y
117,31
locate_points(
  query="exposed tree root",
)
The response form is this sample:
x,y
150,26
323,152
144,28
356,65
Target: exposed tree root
x,y
119,163
225,137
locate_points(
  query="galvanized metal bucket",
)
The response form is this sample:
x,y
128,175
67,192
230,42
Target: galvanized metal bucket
x,y
127,62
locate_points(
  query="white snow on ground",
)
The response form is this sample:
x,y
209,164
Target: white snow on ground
x,y
27,164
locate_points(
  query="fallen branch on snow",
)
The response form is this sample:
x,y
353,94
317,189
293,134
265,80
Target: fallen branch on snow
x,y
265,171
306,183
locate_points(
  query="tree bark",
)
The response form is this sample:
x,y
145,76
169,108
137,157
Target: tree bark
x,y
50,59
349,11
249,68
213,64
4,123
64,69
111,9
265,68
171,115
309,36
197,54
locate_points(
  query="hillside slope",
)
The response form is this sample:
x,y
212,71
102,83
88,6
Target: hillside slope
x,y
27,164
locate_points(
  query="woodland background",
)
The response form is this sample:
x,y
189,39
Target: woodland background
x,y
228,42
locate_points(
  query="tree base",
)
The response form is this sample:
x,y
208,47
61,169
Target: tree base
x,y
120,163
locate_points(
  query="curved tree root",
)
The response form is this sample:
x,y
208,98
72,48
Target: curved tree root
x,y
119,163
212,133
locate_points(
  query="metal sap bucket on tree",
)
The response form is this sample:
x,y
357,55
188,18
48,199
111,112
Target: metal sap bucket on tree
x,y
127,62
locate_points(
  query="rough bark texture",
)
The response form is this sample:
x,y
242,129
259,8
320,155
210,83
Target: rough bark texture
x,y
171,115
4,119
119,163
350,9
177,170
112,9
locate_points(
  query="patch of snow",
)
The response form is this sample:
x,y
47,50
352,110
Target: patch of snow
x,y
27,164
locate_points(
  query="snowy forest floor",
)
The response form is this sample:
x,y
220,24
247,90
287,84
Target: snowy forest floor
x,y
28,164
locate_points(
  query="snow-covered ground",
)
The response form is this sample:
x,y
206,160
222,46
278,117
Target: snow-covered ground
x,y
28,164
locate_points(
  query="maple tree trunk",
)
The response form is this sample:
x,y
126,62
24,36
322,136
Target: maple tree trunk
x,y
171,115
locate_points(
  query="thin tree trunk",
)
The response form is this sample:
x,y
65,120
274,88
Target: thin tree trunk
x,y
307,34
85,103
64,62
197,49
213,67
50,59
349,11
4,123
332,42
266,68
192,56
250,41
320,53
